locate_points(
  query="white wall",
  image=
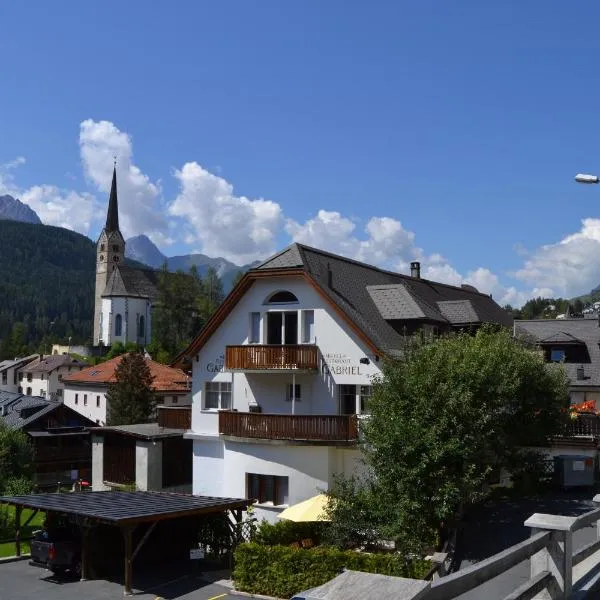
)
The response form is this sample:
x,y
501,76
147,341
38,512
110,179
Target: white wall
x,y
340,351
91,410
220,469
130,309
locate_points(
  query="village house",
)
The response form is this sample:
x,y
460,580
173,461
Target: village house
x,y
9,372
60,437
85,391
282,372
44,375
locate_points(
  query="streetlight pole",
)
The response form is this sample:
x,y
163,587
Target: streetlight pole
x,y
585,178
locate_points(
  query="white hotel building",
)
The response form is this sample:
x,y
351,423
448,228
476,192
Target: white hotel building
x,y
282,371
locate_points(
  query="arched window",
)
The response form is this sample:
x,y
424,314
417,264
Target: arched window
x,y
118,325
142,327
282,297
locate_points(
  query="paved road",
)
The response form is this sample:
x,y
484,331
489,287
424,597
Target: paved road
x,y
20,581
499,525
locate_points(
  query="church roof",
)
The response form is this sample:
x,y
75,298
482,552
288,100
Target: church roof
x,y
132,283
164,378
112,216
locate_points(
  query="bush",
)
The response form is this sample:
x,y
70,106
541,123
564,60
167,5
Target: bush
x,y
285,532
282,571
18,486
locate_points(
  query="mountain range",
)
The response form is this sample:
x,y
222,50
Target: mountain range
x,y
139,248
15,210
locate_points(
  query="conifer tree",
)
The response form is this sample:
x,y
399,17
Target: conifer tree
x,y
130,398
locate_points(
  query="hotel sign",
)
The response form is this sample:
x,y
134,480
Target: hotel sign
x,y
338,363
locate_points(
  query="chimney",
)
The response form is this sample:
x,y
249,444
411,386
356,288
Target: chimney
x,y
580,373
415,269
329,276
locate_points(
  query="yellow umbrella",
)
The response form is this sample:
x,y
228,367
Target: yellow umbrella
x,y
312,509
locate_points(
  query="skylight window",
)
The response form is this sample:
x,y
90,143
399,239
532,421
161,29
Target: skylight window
x,y
94,373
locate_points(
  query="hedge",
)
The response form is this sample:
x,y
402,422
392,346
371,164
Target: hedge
x,y
286,532
282,571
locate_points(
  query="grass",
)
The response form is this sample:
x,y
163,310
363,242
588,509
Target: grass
x,y
8,548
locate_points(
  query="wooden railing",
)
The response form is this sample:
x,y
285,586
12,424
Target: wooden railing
x,y
584,425
255,357
340,428
174,417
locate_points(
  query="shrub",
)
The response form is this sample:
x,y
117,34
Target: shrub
x,y
284,533
18,486
7,525
282,571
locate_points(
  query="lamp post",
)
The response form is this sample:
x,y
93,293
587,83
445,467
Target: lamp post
x,y
585,178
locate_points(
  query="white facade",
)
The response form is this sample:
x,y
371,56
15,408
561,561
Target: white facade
x,y
89,401
125,320
47,385
346,367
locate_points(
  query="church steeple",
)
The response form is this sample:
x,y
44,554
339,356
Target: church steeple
x,y
112,217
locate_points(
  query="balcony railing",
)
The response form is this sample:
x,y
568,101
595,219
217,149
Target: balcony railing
x,y
257,358
175,417
323,428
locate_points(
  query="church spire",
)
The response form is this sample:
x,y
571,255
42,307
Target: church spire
x,y
112,217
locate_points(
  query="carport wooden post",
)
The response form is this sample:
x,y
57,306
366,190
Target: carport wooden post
x,y
85,536
127,536
18,510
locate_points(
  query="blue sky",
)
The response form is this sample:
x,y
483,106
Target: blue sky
x,y
443,131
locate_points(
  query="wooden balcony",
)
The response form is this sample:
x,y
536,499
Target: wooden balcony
x,y
271,358
318,428
174,417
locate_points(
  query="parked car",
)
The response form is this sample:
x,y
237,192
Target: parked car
x,y
57,547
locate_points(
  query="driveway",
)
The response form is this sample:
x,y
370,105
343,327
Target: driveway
x,y
20,581
497,525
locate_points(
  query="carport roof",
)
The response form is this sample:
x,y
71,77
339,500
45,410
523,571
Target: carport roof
x,y
123,508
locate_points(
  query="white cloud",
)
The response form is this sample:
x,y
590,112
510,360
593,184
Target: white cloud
x,y
140,208
53,205
221,223
386,239
569,267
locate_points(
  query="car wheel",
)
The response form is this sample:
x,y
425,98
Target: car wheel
x,y
76,568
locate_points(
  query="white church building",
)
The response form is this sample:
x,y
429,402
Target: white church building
x,y
282,372
124,295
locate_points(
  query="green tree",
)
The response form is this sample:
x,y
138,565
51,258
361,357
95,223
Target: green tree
x,y
130,398
443,419
212,294
16,459
177,315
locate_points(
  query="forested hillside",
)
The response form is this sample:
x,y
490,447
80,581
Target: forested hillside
x,y
47,278
46,286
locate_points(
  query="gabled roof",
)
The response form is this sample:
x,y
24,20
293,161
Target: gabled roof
x,y
561,337
47,364
164,378
371,300
7,364
132,283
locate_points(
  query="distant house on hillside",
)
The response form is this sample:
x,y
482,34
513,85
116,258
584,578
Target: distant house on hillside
x,y
9,372
60,437
85,391
44,375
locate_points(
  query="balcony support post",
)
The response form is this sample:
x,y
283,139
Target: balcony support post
x,y
293,393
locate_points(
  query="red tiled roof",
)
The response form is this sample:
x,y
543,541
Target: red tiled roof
x,y
164,378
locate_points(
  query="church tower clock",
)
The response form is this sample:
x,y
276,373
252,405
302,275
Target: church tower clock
x,y
110,252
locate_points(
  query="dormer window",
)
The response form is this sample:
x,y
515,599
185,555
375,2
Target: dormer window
x,y
557,355
282,297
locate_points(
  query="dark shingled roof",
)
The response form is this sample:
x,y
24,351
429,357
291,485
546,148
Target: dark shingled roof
x,y
130,282
47,364
112,216
20,410
361,291
565,332
120,508
144,431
